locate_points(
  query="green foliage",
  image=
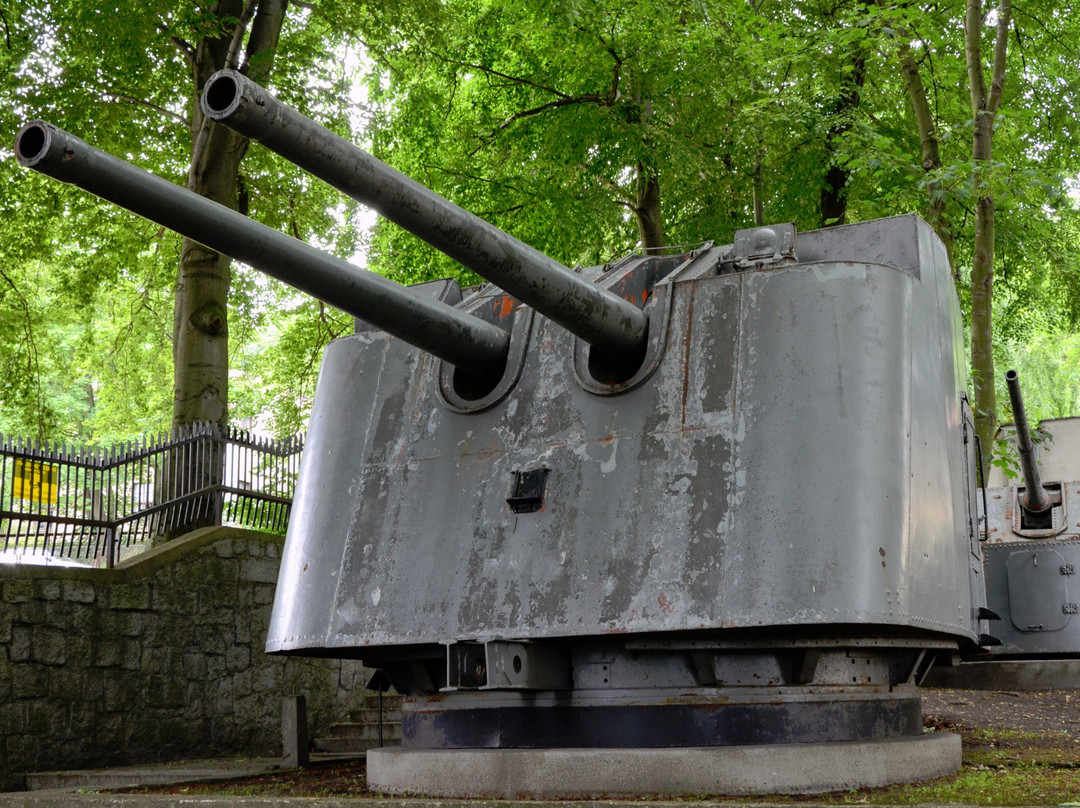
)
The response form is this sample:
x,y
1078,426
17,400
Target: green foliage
x,y
546,118
86,292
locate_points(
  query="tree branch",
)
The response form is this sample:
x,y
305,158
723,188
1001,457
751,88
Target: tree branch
x,y
1001,45
564,100
109,94
465,175
973,22
7,28
1069,47
263,42
238,34
493,72
559,102
182,45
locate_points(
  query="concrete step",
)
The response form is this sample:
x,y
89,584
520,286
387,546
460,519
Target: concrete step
x,y
365,731
350,746
151,774
361,731
370,715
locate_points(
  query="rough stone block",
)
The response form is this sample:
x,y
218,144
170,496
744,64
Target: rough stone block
x,y
121,692
241,683
83,719
79,650
123,624
238,658
242,629
224,549
263,594
79,592
176,600
221,701
224,597
88,619
210,640
66,684
13,718
129,596
131,655
259,571
165,692
48,646
18,591
29,682
48,590
19,650
194,666
266,678
93,686
24,752
110,728
60,614
107,653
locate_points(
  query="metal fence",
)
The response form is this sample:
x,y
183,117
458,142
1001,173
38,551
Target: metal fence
x,y
61,504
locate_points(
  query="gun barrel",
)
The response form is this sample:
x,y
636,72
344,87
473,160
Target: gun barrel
x,y
461,339
596,315
1035,497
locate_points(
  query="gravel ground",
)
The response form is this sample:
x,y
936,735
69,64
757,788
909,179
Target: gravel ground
x,y
1049,711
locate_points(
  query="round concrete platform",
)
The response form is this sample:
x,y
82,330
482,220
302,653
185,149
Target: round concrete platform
x,y
729,770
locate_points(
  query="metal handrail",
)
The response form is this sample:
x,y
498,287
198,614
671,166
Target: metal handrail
x,y
90,504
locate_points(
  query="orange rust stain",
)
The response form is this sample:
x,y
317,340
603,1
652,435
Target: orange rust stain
x,y
665,603
506,306
644,296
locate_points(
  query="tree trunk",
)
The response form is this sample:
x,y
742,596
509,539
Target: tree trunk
x,y
936,210
834,190
936,213
647,209
200,312
984,106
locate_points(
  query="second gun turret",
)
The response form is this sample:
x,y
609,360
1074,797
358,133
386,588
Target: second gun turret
x,y
1036,504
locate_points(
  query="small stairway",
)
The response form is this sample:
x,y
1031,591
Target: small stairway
x,y
361,732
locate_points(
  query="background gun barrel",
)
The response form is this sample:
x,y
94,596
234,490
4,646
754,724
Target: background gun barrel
x,y
461,339
1035,497
599,317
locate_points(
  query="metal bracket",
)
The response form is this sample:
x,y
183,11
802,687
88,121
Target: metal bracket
x,y
506,665
759,247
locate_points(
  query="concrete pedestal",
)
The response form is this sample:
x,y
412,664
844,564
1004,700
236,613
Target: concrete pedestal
x,y
593,773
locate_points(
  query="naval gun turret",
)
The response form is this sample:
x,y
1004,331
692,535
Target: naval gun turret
x,y
1032,553
682,512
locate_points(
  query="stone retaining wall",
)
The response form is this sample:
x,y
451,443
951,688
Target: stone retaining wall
x,y
159,659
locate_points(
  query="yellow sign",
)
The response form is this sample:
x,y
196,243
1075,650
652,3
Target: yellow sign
x,y
37,482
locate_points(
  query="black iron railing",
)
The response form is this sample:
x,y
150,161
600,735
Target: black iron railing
x,y
94,505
